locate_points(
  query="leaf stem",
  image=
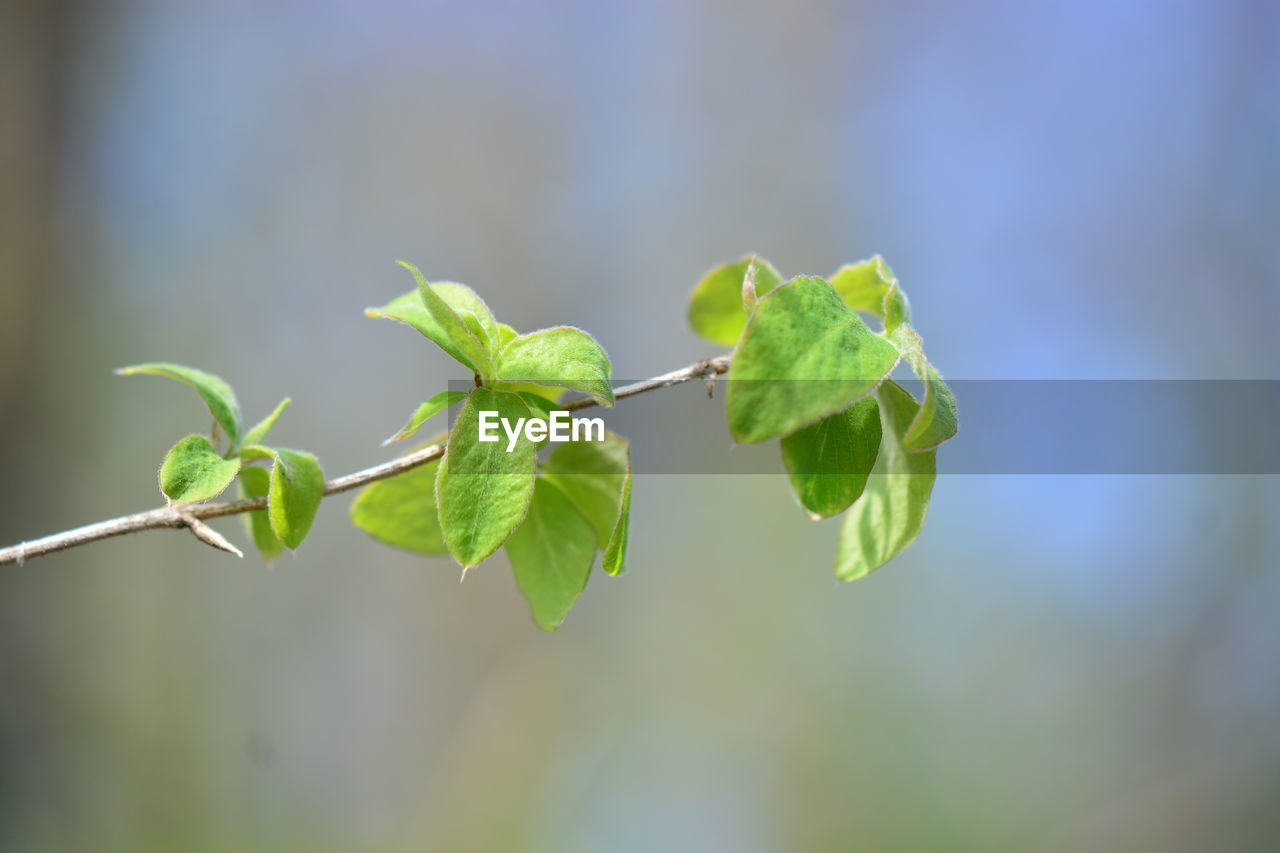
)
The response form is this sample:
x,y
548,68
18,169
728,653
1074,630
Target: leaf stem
x,y
183,516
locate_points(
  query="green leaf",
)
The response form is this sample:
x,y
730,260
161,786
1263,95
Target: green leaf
x,y
889,515
256,483
297,487
805,355
563,356
506,334
434,310
938,418
261,428
401,511
870,286
829,461
425,412
194,471
216,393
716,309
551,555
483,491
596,477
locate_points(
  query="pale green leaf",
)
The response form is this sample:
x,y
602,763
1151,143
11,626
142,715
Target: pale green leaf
x,y
194,471
870,286
433,309
216,393
483,491
256,483
297,487
804,355
596,476
551,555
889,515
564,357
401,511
938,418
437,404
829,461
261,428
716,309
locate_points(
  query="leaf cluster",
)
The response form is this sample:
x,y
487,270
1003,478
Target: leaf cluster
x,y
808,370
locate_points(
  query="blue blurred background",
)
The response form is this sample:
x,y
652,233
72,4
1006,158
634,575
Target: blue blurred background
x,y
1061,663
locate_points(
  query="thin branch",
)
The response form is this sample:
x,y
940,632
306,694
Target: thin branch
x,y
189,515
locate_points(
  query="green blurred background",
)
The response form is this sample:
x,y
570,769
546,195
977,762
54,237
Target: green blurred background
x,y
1067,190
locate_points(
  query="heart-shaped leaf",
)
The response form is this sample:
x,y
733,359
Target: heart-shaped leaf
x,y
889,515
216,393
551,554
596,477
564,357
829,461
401,511
194,471
805,355
483,491
716,310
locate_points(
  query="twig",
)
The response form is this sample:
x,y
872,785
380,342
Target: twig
x,y
189,515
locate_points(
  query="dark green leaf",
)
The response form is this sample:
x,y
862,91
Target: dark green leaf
x,y
194,471
256,483
716,309
261,428
889,515
216,394
829,461
437,404
596,477
551,555
401,511
297,487
483,491
804,355
564,357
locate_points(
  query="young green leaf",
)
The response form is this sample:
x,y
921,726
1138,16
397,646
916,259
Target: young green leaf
x,y
441,322
261,428
804,355
216,393
870,286
551,555
596,477
938,419
401,511
483,491
889,515
194,471
716,309
437,404
447,305
506,334
829,461
297,487
256,483
564,356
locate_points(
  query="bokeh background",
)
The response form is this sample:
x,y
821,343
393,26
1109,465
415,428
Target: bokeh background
x,y
1061,663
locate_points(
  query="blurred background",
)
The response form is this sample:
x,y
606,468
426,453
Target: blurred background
x,y
1061,663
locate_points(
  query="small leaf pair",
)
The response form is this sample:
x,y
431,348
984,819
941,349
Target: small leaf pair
x,y
194,470
457,320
